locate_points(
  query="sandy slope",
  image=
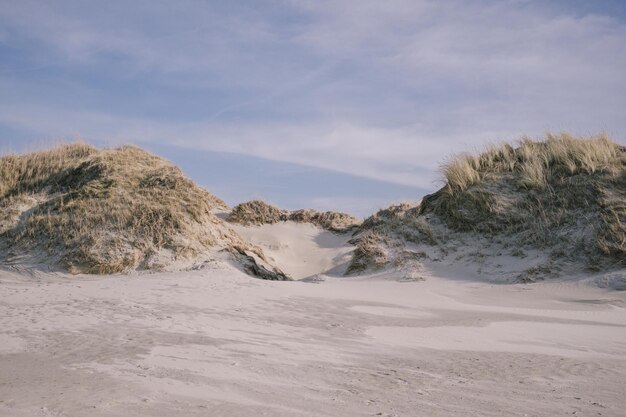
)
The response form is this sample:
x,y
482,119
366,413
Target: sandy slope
x,y
301,250
215,342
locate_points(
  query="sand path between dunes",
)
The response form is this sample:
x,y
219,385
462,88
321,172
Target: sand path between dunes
x,y
215,342
301,250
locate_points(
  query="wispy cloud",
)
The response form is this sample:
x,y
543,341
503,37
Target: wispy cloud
x,y
377,89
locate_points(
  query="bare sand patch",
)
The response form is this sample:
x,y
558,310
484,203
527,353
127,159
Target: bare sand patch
x,y
301,250
217,342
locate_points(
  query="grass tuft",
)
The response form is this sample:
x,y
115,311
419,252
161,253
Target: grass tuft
x,y
258,212
535,163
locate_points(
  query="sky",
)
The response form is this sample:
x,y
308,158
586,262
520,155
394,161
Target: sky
x,y
346,105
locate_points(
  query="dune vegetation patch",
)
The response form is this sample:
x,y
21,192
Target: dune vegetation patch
x,y
534,209
106,211
564,195
258,212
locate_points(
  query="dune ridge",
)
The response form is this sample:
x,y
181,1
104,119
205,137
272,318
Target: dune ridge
x,y
512,213
112,210
562,199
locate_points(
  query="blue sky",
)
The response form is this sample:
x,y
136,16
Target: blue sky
x,y
345,105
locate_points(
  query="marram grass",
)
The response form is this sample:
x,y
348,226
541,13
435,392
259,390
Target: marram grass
x,y
102,211
563,195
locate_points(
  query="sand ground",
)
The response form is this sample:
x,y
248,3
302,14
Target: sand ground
x,y
215,342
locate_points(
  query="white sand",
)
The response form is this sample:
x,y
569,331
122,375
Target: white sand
x,y
301,250
215,342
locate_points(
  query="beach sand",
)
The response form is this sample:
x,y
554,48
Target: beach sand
x,y
216,342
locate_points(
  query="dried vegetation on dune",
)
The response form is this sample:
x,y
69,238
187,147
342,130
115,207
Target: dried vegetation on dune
x,y
106,211
258,212
564,195
115,210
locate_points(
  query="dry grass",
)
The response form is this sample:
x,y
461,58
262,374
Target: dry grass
x,y
21,174
258,212
103,211
372,252
563,192
382,238
461,172
564,195
535,163
404,221
329,220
